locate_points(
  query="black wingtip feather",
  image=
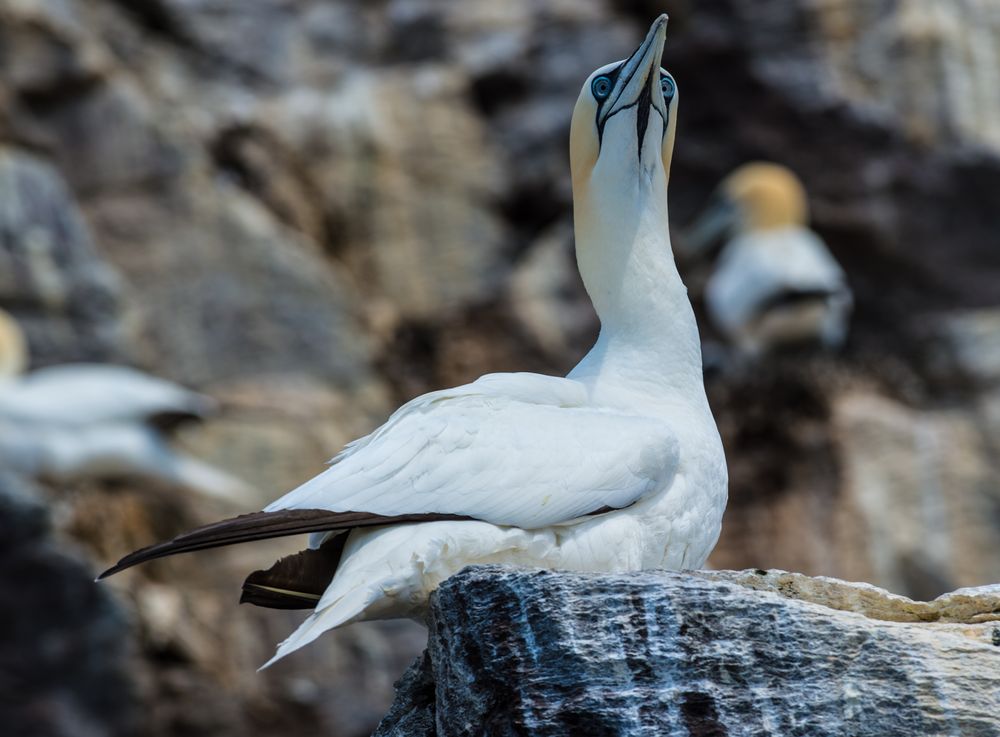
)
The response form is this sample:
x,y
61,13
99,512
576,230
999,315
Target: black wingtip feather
x,y
266,525
295,581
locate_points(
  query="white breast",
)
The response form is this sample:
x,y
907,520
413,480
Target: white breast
x,y
756,267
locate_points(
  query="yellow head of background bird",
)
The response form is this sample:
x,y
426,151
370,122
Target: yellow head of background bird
x,y
13,348
774,283
766,196
754,198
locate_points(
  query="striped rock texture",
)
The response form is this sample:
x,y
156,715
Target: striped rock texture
x,y
692,654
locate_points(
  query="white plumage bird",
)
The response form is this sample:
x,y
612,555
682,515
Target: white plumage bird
x,y
775,283
94,421
616,467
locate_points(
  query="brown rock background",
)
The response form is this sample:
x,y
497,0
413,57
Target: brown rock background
x,y
314,211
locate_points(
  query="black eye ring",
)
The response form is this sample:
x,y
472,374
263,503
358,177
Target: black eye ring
x,y
601,87
667,87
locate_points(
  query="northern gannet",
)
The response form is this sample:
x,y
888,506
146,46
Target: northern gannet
x,y
93,421
775,283
616,467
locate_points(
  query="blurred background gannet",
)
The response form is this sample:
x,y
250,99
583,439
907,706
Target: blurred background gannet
x,y
618,466
774,283
79,422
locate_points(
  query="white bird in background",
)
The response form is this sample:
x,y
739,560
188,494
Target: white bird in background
x,y
616,467
775,283
93,421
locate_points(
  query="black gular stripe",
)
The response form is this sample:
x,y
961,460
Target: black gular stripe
x,y
642,119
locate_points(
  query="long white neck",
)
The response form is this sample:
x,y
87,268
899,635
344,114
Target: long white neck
x,y
649,344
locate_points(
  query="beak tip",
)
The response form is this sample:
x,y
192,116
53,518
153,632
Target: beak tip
x,y
659,28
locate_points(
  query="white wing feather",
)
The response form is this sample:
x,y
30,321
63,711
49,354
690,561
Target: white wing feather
x,y
87,394
511,449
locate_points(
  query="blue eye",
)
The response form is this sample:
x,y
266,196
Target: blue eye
x,y
667,87
601,87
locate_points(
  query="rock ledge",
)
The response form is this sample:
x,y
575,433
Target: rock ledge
x,y
522,651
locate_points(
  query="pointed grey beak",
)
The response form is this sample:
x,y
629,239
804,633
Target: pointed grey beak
x,y
638,83
718,218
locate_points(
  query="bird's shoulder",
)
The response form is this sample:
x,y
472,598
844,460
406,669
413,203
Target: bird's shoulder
x,y
518,449
522,386
490,391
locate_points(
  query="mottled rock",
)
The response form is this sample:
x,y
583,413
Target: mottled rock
x,y
23,515
229,292
700,653
406,175
281,430
45,48
254,38
972,340
547,295
832,476
413,713
193,640
64,659
51,275
901,467
108,138
878,52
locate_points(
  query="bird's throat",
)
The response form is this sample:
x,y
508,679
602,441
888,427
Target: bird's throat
x,y
642,117
626,262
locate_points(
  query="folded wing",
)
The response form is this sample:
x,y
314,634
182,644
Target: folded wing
x,y
519,450
512,449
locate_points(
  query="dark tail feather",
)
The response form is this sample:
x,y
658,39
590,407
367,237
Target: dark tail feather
x,y
296,581
264,525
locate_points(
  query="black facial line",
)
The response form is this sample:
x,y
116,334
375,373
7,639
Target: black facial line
x,y
613,76
600,125
619,110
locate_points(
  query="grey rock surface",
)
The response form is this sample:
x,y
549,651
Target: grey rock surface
x,y
900,469
63,662
52,277
520,651
414,712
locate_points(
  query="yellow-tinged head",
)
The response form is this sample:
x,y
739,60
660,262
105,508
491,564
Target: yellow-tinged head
x,y
766,196
754,198
621,145
625,118
13,348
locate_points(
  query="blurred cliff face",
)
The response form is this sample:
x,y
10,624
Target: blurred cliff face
x,y
313,211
